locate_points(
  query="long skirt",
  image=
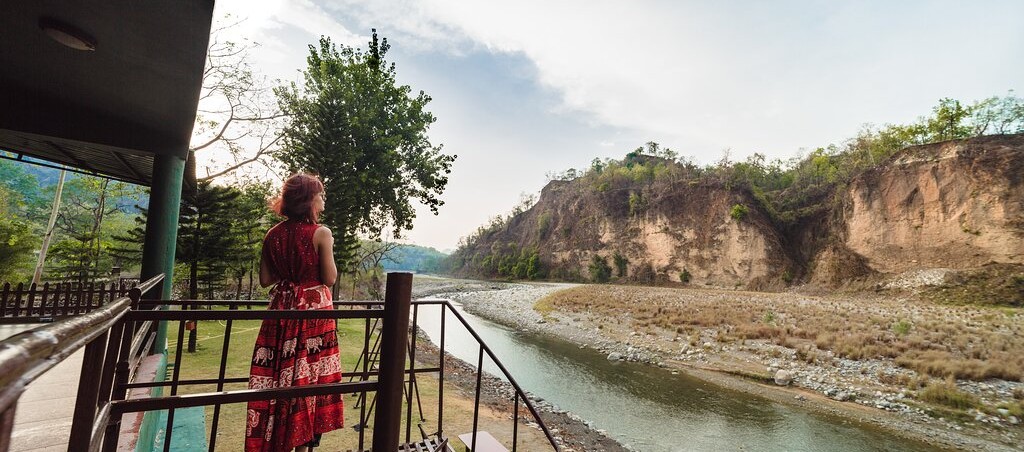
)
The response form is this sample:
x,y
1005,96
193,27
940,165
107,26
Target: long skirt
x,y
294,353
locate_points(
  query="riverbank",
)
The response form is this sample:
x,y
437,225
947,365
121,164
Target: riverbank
x,y
869,391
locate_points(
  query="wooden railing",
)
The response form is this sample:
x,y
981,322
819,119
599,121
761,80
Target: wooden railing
x,y
48,302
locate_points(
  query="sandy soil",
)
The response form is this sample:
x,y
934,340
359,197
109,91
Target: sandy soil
x,y
858,390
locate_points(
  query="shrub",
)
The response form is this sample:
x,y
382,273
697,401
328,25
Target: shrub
x,y
636,203
599,270
544,225
684,276
947,394
901,328
621,264
738,212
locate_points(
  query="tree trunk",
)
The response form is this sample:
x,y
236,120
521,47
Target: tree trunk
x,y
49,229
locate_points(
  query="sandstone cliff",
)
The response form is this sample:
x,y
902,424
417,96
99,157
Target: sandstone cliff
x,y
957,204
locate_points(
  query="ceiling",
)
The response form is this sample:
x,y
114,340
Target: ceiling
x,y
111,110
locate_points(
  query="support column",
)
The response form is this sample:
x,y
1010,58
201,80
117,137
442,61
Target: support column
x,y
162,231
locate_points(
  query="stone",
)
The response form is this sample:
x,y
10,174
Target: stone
x,y
1014,421
613,356
1003,412
783,377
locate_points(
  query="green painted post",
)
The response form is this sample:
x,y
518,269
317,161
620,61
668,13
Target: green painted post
x,y
162,230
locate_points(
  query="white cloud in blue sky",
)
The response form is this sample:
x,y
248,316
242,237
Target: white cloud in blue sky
x,y
525,87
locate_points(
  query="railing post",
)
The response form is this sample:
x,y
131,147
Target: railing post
x,y
6,426
88,391
394,336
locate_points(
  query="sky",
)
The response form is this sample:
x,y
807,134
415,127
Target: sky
x,y
524,88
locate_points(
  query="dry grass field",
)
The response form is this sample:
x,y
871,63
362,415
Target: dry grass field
x,y
939,343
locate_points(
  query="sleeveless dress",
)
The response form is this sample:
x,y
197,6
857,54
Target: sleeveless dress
x,y
294,352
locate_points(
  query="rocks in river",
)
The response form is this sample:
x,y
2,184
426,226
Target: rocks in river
x,y
1013,420
783,377
614,356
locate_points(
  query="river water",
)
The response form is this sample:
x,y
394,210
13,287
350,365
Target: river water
x,y
648,408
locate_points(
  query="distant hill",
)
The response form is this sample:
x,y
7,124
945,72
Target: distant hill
x,y
415,258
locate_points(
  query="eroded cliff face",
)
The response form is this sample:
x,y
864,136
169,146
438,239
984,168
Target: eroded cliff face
x,y
957,204
665,232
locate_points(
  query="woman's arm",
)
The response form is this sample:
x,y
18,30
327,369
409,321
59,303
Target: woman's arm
x,y
267,277
324,242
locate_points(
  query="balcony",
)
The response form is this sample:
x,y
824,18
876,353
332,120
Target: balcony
x,y
116,391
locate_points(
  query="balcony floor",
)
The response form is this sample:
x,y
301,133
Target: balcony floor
x,y
42,421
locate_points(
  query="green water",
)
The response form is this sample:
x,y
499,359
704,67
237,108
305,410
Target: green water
x,y
649,409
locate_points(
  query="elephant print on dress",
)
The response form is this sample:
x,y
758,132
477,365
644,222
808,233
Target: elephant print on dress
x,y
252,421
289,347
313,344
263,355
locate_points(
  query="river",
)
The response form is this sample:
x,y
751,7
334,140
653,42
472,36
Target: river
x,y
649,409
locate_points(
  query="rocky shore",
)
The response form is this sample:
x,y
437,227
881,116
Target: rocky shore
x,y
865,391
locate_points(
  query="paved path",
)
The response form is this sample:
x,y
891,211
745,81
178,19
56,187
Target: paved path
x,y
42,422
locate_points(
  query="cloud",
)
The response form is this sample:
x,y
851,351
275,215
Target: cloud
x,y
704,76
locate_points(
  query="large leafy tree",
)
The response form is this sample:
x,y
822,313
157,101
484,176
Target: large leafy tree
x,y
16,238
366,136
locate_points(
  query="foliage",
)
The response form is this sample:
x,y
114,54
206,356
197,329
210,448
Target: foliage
x,y
685,276
599,270
127,245
946,393
92,208
543,225
366,136
205,239
738,212
16,238
621,264
901,328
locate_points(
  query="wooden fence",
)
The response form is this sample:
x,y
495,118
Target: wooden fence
x,y
33,303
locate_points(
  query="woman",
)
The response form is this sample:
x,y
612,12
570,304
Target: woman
x,y
298,259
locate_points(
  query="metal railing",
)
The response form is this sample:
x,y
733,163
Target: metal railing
x,y
117,337
27,355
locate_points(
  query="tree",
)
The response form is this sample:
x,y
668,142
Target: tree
x,y
600,271
237,114
366,136
84,223
127,245
16,238
250,221
371,257
205,241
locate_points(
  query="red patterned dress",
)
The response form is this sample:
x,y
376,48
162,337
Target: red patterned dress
x,y
294,352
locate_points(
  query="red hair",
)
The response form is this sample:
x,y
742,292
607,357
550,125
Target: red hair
x,y
296,199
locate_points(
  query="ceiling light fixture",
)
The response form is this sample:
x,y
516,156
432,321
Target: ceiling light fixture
x,y
67,35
